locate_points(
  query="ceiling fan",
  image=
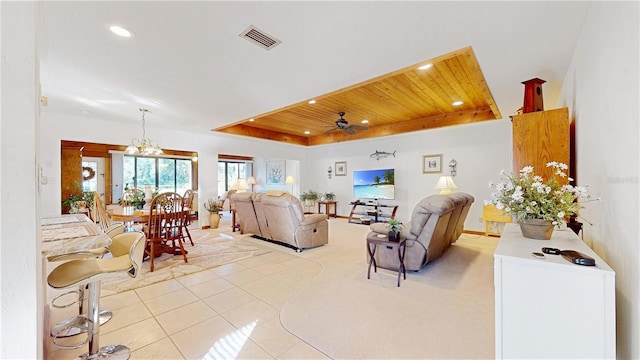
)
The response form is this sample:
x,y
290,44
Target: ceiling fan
x,y
342,124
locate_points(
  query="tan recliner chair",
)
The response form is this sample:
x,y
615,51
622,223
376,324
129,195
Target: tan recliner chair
x,y
436,222
262,219
279,217
288,224
246,214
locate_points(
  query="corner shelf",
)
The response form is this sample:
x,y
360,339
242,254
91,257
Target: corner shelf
x,y
371,213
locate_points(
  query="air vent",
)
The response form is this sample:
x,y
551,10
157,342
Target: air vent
x,y
260,38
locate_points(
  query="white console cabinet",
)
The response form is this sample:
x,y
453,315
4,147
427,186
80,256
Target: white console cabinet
x,y
550,308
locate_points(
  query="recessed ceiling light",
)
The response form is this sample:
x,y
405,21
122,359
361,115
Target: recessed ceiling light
x,y
252,119
365,121
425,67
307,132
312,101
457,103
120,31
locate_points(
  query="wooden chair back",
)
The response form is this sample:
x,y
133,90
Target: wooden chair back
x,y
99,213
166,221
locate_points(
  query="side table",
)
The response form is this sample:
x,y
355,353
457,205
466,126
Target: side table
x,y
327,208
373,241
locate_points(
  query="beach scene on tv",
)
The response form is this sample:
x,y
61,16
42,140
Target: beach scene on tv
x,y
374,184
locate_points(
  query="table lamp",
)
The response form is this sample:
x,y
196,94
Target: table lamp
x,y
240,185
251,181
445,184
290,181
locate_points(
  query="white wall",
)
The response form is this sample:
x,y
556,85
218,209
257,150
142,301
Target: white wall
x,y
21,280
208,145
481,150
601,91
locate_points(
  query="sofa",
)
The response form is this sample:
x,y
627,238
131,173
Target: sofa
x,y
436,222
279,217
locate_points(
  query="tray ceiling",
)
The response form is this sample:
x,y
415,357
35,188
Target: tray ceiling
x,y
402,101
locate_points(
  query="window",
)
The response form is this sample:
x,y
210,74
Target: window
x,y
229,171
89,178
164,174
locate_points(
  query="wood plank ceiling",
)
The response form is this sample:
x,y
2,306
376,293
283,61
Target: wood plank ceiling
x,y
405,100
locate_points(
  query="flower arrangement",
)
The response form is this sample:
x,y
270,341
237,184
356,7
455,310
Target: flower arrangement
x,y
529,197
133,197
213,206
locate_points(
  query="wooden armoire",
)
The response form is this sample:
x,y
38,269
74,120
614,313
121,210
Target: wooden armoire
x,y
540,137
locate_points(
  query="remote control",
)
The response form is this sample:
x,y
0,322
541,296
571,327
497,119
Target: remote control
x,y
578,258
552,251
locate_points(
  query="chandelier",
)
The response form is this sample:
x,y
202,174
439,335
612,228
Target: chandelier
x,y
143,146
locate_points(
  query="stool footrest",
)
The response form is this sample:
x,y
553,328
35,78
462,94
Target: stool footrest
x,y
77,325
53,302
113,352
81,322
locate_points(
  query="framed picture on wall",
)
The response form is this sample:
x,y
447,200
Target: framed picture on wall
x,y
432,164
276,172
341,168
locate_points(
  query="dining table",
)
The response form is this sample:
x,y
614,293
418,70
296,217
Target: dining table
x,y
129,215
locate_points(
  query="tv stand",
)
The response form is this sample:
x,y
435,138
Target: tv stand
x,y
368,213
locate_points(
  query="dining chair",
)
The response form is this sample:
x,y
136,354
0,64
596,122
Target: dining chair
x,y
100,215
164,229
187,200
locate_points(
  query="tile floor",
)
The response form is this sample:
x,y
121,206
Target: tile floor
x,y
227,312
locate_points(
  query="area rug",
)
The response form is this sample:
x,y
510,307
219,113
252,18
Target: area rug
x,y
212,248
347,316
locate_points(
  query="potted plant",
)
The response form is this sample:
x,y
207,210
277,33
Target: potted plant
x,y
311,197
78,200
537,205
213,206
135,198
394,230
329,196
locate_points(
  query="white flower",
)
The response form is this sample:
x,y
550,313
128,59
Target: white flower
x,y
581,191
528,196
526,170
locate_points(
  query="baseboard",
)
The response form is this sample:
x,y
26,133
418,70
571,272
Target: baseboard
x,y
473,232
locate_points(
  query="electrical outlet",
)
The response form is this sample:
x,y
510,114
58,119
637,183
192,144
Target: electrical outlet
x,y
480,220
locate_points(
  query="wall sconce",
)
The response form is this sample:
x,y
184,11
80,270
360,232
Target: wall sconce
x,y
453,167
329,171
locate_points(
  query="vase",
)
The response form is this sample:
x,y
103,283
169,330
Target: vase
x,y
214,220
394,236
536,229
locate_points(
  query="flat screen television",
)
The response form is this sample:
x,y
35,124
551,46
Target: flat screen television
x,y
374,184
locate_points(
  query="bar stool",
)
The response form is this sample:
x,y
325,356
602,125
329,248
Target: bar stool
x,y
78,324
127,250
